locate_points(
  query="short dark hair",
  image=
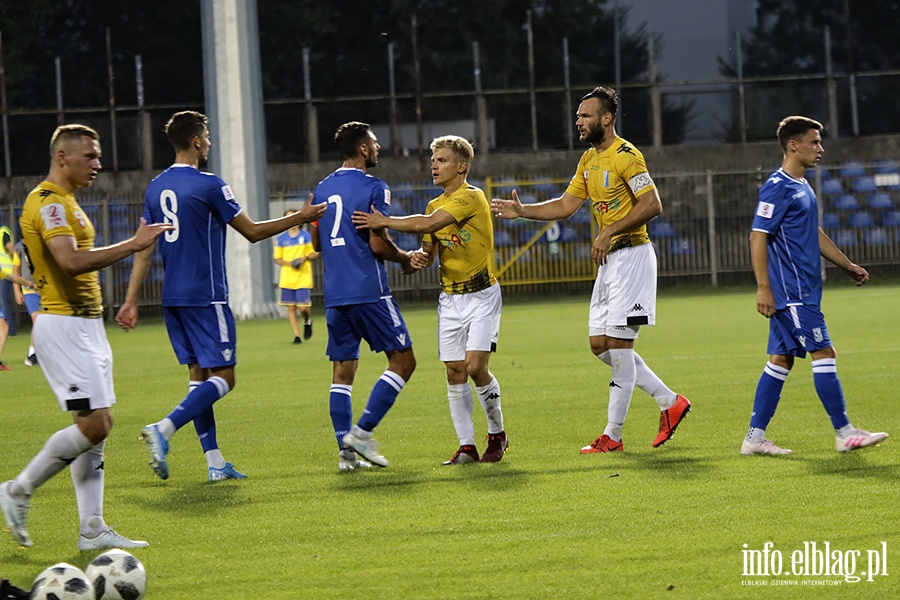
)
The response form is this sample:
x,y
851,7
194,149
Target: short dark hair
x,y
67,133
350,136
609,99
795,127
184,126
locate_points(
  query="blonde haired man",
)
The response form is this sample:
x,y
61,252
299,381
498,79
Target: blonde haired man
x,y
457,228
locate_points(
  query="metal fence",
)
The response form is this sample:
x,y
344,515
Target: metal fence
x,y
701,237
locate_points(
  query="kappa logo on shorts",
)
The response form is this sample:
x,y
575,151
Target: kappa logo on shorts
x,y
637,308
73,388
226,354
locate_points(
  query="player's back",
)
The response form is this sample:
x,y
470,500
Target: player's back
x,y
199,206
353,274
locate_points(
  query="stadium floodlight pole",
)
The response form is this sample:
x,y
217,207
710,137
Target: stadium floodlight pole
x,y
567,83
532,99
742,96
831,88
480,104
396,140
617,64
57,70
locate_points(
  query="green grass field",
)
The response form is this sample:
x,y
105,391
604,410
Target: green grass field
x,y
546,522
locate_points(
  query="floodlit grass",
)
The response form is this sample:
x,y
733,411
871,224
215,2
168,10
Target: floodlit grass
x,y
546,522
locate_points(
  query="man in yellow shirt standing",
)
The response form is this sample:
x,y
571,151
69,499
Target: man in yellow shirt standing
x,y
459,230
70,337
294,254
7,274
613,175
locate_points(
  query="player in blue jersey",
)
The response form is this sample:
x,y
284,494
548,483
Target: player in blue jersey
x,y
786,246
195,287
358,300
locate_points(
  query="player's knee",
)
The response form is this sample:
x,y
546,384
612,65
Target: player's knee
x,y
598,345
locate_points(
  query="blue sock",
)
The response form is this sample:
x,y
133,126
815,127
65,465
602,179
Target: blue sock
x,y
768,393
381,400
341,405
828,387
205,426
198,400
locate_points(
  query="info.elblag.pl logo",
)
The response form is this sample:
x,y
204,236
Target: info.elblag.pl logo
x,y
815,563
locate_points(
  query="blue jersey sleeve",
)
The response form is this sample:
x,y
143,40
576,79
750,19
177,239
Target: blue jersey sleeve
x,y
771,207
221,200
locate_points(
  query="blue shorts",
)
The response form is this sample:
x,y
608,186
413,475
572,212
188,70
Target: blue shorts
x,y
32,303
300,297
797,330
202,335
379,323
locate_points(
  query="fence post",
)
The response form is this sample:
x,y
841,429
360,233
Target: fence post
x,y
655,95
312,123
396,140
113,137
831,89
480,106
532,100
567,83
57,70
145,135
3,109
711,230
742,97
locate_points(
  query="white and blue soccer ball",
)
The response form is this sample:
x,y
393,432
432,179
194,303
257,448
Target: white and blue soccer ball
x,y
62,581
117,575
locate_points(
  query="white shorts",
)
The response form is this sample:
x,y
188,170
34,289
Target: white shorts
x,y
624,296
76,360
468,322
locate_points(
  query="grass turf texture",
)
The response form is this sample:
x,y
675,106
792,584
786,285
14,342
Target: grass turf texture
x,y
546,522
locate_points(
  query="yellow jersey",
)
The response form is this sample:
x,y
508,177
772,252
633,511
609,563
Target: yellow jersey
x,y
288,248
609,179
466,247
51,211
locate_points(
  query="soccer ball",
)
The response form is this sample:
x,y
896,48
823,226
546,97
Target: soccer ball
x,y
117,575
62,581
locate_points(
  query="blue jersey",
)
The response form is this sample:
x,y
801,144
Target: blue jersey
x,y
788,212
200,206
353,274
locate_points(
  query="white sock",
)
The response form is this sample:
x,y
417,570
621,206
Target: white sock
x,y
87,475
648,381
166,428
621,388
30,350
459,397
755,435
61,448
489,396
215,459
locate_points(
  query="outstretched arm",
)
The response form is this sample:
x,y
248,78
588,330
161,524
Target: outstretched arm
x,y
550,210
74,262
255,231
411,224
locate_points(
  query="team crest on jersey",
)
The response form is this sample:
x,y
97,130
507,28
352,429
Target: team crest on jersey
x,y
765,210
54,215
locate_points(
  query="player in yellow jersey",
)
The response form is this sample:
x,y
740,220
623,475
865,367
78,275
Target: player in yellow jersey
x,y
613,175
294,253
70,338
7,273
458,229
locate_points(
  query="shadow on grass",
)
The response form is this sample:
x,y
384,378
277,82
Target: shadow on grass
x,y
500,477
200,498
857,464
676,466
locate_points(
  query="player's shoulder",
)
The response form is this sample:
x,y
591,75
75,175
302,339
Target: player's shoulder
x,y
778,183
623,150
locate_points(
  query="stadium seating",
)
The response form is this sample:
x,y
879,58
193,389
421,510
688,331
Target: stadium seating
x,y
877,236
831,221
891,219
830,187
887,166
681,247
661,229
569,234
852,169
846,202
864,185
862,220
581,216
879,201
502,238
844,238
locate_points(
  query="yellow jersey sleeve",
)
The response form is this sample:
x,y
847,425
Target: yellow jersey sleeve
x,y
49,212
